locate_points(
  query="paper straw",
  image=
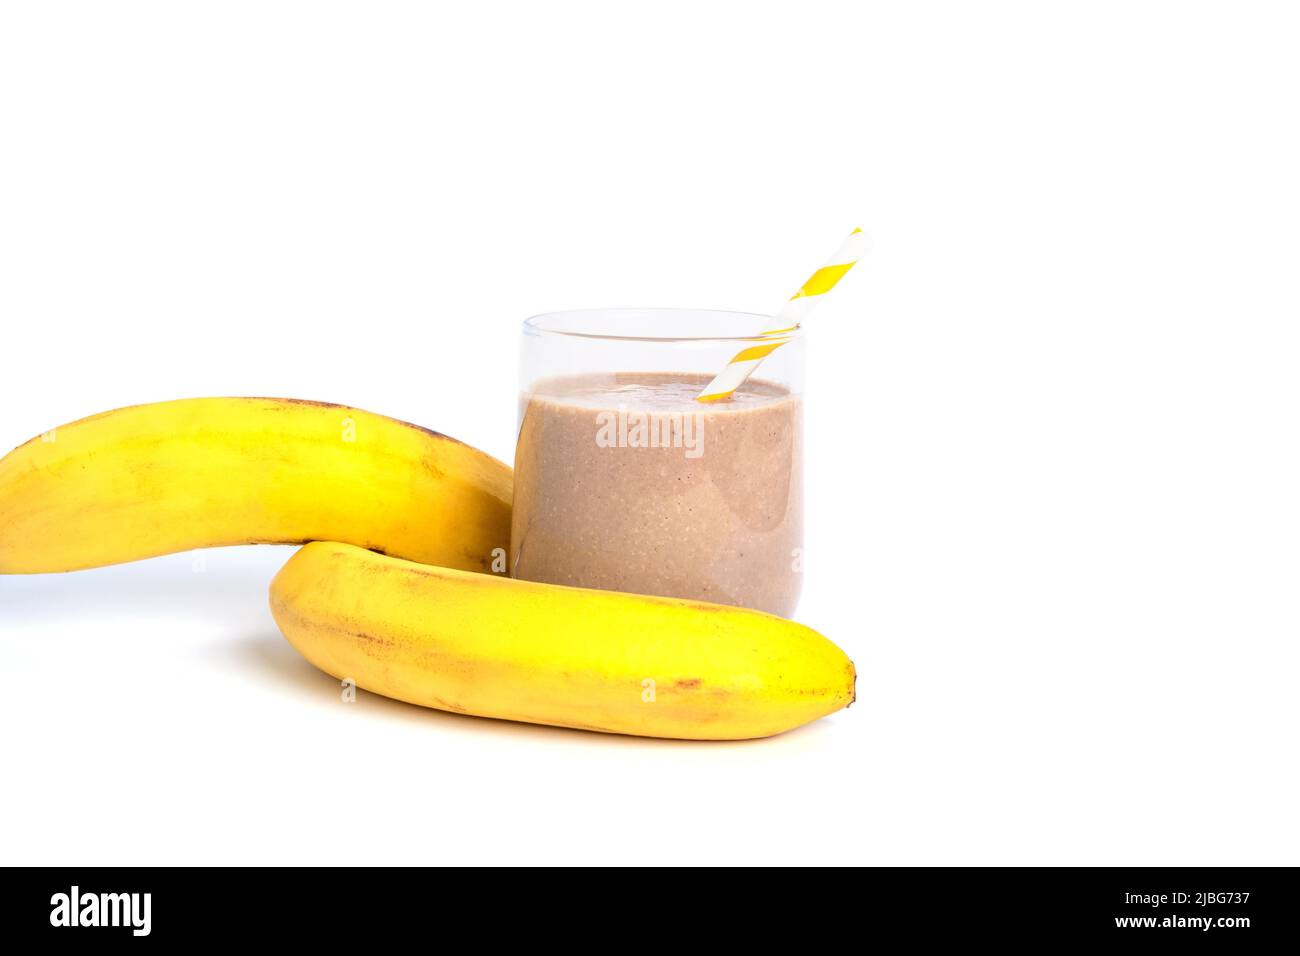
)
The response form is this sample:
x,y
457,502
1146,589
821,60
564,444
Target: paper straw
x,y
788,320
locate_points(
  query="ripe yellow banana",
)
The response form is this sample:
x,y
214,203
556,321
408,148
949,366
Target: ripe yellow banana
x,y
545,654
153,479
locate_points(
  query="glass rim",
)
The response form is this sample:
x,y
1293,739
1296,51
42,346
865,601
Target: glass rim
x,y
586,320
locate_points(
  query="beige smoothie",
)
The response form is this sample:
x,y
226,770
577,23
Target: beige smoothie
x,y
625,482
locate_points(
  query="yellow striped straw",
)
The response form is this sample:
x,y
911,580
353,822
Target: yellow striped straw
x,y
744,362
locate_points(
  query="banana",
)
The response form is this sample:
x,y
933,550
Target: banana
x,y
546,654
154,479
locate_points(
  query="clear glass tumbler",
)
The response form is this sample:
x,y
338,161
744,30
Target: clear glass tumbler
x,y
624,482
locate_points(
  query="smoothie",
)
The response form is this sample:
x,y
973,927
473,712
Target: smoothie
x,y
624,482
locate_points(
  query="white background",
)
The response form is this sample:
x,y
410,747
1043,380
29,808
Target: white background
x,y
1052,452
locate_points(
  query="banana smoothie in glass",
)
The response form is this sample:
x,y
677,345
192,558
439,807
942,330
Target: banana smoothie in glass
x,y
623,481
